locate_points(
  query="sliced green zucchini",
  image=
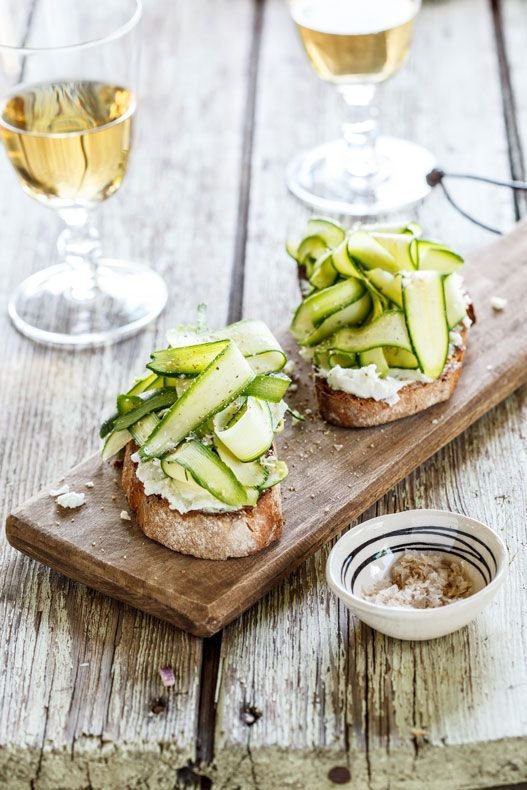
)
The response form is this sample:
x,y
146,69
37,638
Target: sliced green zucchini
x,y
324,274
327,229
271,361
150,382
425,310
126,403
387,330
321,358
411,227
209,471
256,342
399,358
272,387
107,426
379,304
219,384
185,360
310,250
158,399
374,356
115,442
398,245
142,429
352,314
335,358
250,433
277,471
181,385
344,264
456,309
252,494
363,248
318,306
252,474
414,228
436,257
291,247
388,284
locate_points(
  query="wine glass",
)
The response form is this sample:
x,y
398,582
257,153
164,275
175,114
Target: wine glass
x,y
68,82
355,45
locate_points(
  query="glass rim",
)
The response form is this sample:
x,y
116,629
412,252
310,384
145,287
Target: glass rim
x,y
112,36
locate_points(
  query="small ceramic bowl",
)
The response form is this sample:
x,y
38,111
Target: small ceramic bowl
x,y
364,555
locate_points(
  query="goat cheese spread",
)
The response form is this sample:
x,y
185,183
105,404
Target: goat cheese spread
x,y
366,383
180,495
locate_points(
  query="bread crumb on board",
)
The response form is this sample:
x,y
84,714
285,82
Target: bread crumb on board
x,y
124,516
498,303
71,499
421,580
55,492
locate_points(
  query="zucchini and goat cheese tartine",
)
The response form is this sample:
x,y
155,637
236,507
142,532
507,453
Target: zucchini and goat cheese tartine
x,y
384,320
200,470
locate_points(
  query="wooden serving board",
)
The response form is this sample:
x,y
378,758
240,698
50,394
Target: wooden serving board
x,y
335,475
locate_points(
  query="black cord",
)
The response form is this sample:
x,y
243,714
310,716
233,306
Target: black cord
x,y
436,177
468,216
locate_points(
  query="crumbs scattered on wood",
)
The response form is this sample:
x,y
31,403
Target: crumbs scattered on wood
x,y
124,516
250,714
55,492
498,303
89,484
338,447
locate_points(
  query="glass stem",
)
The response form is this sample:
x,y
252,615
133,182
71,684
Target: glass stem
x,y
79,247
360,132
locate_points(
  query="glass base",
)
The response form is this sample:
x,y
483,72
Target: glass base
x,y
319,178
60,306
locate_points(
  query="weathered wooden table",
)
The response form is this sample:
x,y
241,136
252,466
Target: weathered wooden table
x,y
296,693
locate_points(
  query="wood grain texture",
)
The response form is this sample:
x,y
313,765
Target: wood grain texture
x,y
344,472
79,672
331,693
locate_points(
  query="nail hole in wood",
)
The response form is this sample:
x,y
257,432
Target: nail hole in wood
x,y
339,775
250,714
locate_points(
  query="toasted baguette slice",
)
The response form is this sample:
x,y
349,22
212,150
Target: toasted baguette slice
x,y
211,536
349,411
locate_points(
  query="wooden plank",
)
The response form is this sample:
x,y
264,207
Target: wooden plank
x,y
511,17
344,471
331,693
78,672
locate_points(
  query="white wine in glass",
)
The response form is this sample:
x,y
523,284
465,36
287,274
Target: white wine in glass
x,y
69,141
68,90
355,45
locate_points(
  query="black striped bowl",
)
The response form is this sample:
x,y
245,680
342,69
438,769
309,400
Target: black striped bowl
x,y
364,554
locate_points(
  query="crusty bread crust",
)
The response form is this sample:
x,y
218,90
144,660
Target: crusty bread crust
x,y
349,411
211,536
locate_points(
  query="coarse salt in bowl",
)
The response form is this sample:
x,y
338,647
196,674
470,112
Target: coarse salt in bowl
x,y
363,556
